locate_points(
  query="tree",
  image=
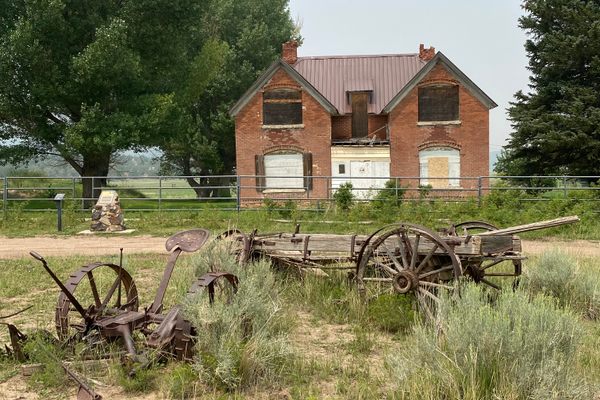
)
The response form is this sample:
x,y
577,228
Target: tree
x,y
557,124
84,79
253,31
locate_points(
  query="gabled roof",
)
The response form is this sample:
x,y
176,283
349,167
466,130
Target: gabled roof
x,y
453,69
388,77
268,74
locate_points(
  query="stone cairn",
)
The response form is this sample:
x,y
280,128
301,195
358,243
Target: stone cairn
x,y
107,215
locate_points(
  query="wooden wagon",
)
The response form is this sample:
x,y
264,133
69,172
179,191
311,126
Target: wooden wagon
x,y
403,257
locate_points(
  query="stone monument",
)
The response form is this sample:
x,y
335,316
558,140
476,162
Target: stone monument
x,y
107,215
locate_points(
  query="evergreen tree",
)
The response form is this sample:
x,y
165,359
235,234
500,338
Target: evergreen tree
x,y
557,124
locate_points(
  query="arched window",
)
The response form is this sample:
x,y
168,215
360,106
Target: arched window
x,y
441,163
282,107
283,170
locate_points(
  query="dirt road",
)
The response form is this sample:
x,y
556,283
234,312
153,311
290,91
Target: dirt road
x,y
109,245
80,245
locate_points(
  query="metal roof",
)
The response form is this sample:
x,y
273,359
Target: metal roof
x,y
389,78
334,76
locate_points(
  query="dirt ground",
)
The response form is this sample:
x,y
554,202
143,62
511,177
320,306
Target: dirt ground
x,y
80,245
109,245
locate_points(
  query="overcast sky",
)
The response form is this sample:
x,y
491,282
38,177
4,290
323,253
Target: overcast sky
x,y
481,37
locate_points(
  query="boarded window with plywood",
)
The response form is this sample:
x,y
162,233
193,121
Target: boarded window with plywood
x,y
440,167
282,107
284,170
360,116
438,103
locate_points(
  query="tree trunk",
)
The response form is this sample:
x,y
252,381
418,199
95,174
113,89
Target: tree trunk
x,y
93,176
200,191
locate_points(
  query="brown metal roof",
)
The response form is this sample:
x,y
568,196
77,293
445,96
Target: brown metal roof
x,y
385,75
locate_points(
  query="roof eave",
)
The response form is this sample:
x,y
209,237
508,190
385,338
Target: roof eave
x,y
462,78
264,78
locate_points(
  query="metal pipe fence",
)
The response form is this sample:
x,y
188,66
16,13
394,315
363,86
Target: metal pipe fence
x,y
246,192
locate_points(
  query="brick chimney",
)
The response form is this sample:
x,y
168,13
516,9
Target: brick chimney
x,y
289,52
426,54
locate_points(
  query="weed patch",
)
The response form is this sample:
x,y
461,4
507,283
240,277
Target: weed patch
x,y
517,347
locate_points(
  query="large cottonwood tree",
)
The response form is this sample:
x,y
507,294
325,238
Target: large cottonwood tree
x,y
84,79
253,31
557,123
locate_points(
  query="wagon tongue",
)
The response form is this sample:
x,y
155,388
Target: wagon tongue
x,y
188,241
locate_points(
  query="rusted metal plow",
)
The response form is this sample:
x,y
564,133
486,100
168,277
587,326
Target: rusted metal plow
x,y
99,302
402,258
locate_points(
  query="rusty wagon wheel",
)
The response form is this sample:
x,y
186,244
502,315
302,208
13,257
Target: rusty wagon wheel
x,y
481,269
407,258
107,288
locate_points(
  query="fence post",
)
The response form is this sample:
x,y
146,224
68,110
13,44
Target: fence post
x,y
396,189
159,192
238,188
4,195
479,190
564,182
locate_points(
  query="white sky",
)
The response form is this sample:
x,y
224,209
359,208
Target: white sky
x,y
481,37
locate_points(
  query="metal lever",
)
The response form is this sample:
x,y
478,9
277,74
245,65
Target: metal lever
x,y
62,287
37,256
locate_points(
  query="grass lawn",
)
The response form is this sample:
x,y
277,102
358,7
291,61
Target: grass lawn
x,y
340,346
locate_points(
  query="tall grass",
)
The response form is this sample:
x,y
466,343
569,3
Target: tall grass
x,y
516,348
559,275
243,342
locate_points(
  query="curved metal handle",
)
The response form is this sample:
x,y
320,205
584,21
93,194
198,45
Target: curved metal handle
x,y
37,256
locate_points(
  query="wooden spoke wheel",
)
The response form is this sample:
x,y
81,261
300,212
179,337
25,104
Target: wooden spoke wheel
x,y
495,272
490,271
102,289
467,228
405,259
241,244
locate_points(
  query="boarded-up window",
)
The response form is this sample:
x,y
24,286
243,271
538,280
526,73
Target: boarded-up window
x,y
282,107
284,170
438,103
440,167
359,114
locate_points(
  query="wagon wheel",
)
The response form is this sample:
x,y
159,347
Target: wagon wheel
x,y
405,259
480,269
241,244
472,228
107,288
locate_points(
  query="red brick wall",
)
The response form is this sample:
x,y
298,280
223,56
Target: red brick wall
x,y
252,139
471,136
341,127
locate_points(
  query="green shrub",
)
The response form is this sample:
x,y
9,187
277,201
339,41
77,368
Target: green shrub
x,y
516,348
40,349
243,342
344,197
392,313
557,274
391,194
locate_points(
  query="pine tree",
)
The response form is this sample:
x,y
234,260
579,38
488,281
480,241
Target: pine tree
x,y
557,124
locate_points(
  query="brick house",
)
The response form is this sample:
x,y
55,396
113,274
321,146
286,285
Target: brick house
x,y
310,123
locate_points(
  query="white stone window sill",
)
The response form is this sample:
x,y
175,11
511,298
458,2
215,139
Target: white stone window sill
x,y
431,123
284,190
296,126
